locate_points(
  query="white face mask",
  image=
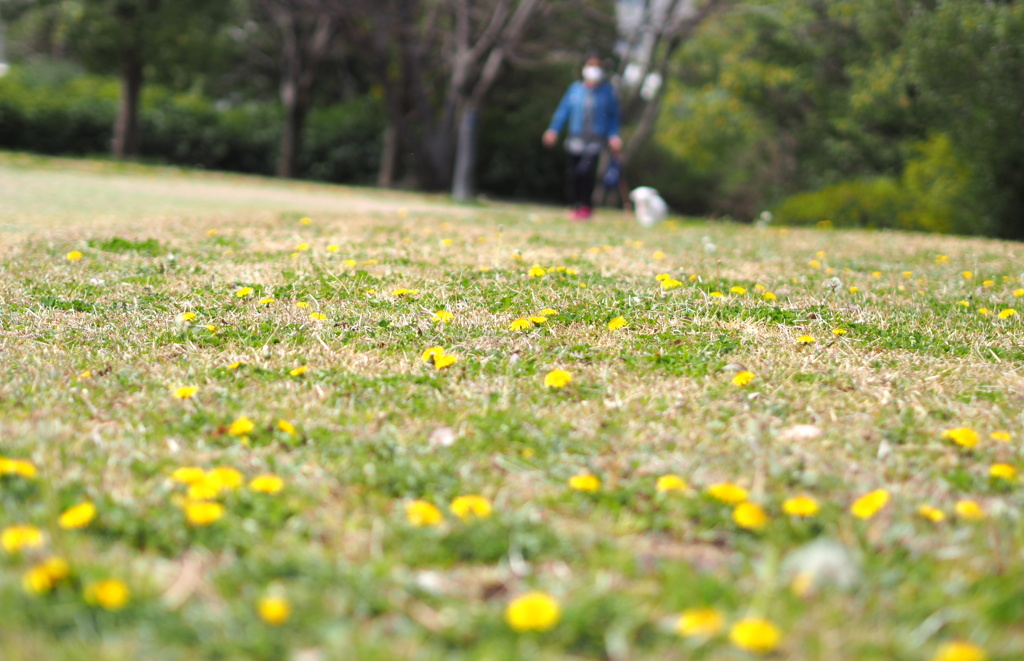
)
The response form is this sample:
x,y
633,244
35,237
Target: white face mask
x,y
592,74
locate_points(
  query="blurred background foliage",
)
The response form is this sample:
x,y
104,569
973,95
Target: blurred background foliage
x,y
870,113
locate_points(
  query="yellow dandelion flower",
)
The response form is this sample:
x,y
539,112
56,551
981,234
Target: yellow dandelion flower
x,y
814,264
266,301
302,304
446,360
908,274
211,328
743,378
305,220
266,484
43,576
1007,313
333,247
933,514
468,507
187,316
988,283
806,339
235,365
963,304
876,274
84,374
616,323
533,611
211,232
73,256
446,242
670,482
962,436
185,392
300,370
739,291
241,426
557,378
658,255
188,475
443,316
242,292
536,272
662,276
803,506
750,516
769,296
404,292
538,319
700,622
78,516
422,514
17,467
839,331
350,263
584,482
204,490
1018,292
854,290
1001,436
226,477
302,247
755,635
1002,471
941,259
969,510
317,316
727,492
203,512
432,353
520,324
21,536
286,427
870,504
960,651
670,283
984,311
275,611
548,312
110,594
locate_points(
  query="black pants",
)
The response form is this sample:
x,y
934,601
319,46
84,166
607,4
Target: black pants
x,y
582,174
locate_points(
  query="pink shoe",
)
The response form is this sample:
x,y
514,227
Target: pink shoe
x,y
583,213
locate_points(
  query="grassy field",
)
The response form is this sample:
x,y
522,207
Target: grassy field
x,y
224,435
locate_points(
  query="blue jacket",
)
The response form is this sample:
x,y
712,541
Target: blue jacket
x,y
606,110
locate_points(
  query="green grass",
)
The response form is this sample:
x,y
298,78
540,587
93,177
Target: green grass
x,y
93,349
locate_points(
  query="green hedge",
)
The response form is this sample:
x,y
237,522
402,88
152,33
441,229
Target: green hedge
x,y
74,115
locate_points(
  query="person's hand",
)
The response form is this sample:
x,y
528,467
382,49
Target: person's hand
x,y
550,138
615,144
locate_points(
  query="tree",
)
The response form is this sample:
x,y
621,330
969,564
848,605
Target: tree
x,y
306,30
662,27
129,38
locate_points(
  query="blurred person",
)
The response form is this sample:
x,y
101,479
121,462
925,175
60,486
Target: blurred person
x,y
591,110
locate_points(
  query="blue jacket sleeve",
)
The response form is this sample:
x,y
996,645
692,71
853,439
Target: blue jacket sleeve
x,y
562,112
614,117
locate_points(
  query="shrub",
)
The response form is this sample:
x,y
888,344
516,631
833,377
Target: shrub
x,y
60,114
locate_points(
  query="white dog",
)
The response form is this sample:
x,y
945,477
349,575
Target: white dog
x,y
649,207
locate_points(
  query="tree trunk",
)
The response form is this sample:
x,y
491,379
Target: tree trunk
x,y
465,155
291,135
126,129
388,157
